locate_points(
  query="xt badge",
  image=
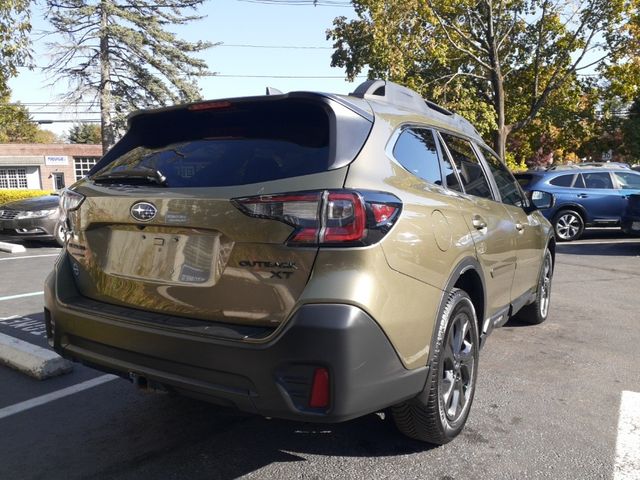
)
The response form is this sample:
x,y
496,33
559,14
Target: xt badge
x,y
280,270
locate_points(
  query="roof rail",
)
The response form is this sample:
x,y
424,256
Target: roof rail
x,y
390,92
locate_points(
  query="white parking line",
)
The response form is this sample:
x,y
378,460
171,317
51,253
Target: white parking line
x,y
29,256
50,397
12,297
627,466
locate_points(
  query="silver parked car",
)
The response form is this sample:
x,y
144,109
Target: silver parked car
x,y
32,219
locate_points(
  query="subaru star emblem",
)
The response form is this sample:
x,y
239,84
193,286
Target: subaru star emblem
x,y
143,211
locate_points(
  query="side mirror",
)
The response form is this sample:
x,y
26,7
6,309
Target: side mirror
x,y
540,200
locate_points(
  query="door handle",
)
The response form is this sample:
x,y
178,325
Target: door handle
x,y
582,195
478,222
519,227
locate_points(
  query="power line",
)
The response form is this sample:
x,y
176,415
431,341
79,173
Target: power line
x,y
293,47
284,76
303,3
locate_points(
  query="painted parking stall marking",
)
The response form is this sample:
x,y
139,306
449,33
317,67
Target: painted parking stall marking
x,y
627,466
26,324
50,397
28,256
21,295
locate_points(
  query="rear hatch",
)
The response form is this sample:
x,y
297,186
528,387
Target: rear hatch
x,y
167,224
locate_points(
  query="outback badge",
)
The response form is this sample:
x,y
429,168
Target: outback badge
x,y
143,211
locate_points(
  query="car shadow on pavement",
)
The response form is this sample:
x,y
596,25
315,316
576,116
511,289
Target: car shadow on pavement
x,y
115,431
228,446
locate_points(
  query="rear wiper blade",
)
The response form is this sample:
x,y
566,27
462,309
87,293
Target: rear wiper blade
x,y
133,176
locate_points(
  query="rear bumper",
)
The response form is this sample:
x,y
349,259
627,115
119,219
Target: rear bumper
x,y
270,378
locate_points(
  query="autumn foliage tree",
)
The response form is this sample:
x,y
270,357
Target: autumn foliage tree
x,y
500,63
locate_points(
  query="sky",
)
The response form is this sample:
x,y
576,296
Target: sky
x,y
231,22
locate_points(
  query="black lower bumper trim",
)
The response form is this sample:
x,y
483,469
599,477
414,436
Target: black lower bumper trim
x,y
272,378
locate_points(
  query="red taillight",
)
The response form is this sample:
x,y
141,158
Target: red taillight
x,y
339,218
382,212
319,397
345,218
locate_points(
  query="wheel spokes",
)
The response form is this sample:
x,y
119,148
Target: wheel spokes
x,y
458,363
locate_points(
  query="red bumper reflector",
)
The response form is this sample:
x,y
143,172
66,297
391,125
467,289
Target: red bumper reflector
x,y
320,389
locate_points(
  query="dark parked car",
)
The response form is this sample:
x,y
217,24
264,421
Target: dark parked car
x,y
631,219
31,219
585,197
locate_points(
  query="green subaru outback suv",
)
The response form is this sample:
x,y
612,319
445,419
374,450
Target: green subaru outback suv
x,y
307,256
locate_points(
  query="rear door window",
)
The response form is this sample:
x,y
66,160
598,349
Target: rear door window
x,y
416,151
468,165
237,145
507,185
597,180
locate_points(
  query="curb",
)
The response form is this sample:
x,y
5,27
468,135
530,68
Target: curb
x,y
37,362
11,248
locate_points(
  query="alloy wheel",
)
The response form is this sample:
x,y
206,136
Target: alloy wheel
x,y
458,364
568,225
545,285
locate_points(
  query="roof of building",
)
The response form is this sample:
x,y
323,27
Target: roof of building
x,y
68,149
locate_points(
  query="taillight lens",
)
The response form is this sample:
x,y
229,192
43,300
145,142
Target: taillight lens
x,y
345,218
330,217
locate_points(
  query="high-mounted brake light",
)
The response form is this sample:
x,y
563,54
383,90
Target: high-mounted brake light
x,y
330,217
209,106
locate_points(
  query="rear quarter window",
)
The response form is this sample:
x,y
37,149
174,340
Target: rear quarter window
x,y
562,181
416,151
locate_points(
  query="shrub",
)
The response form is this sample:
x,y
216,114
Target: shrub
x,y
7,195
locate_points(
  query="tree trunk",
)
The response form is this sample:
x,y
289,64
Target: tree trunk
x,y
108,134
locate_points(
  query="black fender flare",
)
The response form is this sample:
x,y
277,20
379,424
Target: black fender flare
x,y
465,265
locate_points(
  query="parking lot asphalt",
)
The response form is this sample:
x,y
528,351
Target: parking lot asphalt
x,y
546,407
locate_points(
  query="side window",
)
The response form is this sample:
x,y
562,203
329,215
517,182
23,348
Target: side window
x,y
628,180
562,181
471,173
507,185
416,151
579,182
597,180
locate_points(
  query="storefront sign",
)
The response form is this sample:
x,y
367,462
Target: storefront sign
x,y
56,160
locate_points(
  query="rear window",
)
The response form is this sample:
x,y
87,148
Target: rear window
x,y
234,145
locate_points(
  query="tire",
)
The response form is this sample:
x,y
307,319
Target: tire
x,y
59,234
568,225
537,312
438,414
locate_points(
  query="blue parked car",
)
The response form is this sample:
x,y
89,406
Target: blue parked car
x,y
585,197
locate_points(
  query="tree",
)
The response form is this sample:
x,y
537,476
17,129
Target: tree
x,y
121,54
85,133
511,58
16,125
15,26
46,136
